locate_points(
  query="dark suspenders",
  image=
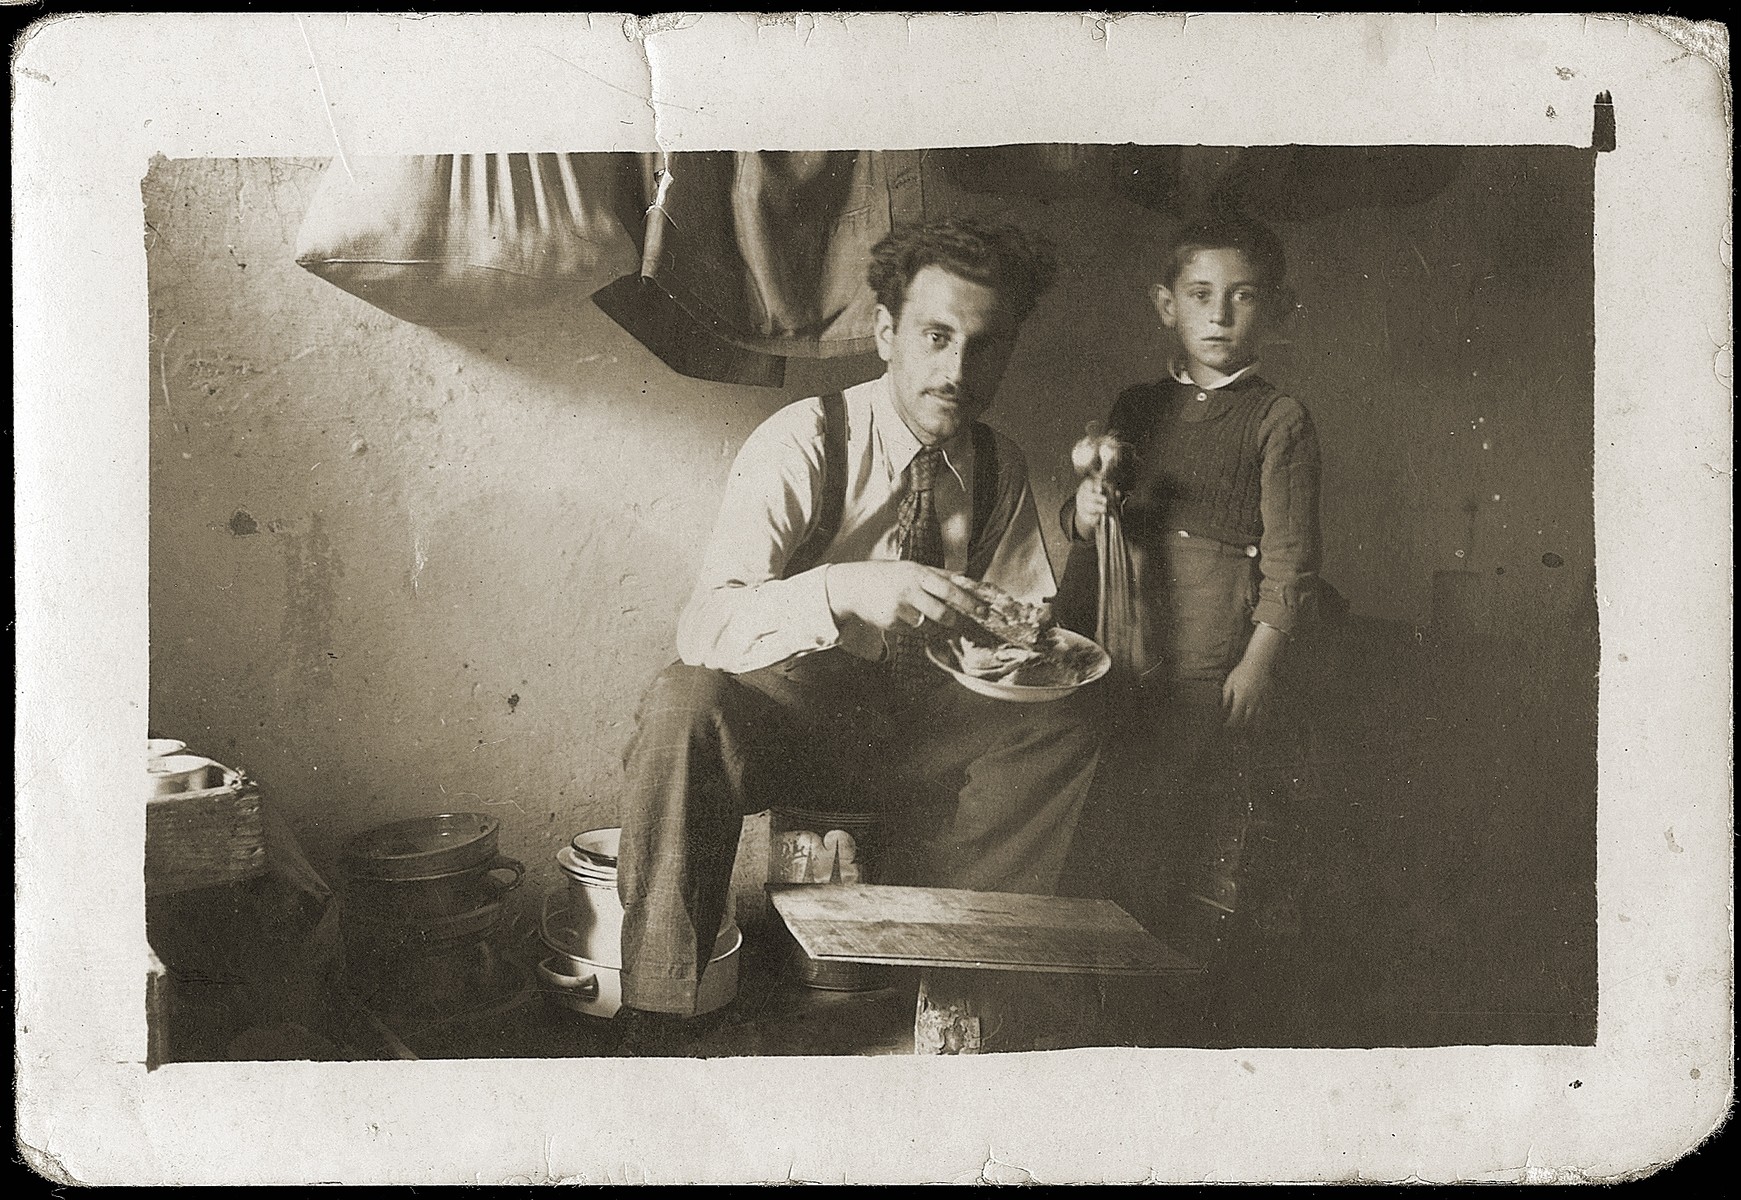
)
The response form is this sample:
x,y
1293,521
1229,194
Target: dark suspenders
x,y
826,525
986,479
827,521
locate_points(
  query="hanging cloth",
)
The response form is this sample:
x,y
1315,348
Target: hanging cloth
x,y
1119,620
767,249
461,239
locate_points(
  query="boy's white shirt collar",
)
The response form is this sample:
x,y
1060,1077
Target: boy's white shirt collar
x,y
1183,376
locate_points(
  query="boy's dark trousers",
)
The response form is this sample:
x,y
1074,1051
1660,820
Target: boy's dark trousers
x,y
980,794
1180,831
1169,769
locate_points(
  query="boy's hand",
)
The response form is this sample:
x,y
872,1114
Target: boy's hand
x,y
1245,696
1093,498
897,595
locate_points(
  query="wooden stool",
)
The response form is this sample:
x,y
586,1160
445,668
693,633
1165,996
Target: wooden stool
x,y
977,951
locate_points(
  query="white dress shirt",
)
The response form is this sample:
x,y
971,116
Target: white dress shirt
x,y
743,616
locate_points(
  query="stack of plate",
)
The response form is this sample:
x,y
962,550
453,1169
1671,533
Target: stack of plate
x,y
595,852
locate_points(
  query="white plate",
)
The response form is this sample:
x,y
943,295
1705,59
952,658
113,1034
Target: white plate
x,y
580,868
997,689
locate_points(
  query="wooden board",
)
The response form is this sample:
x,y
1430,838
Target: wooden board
x,y
938,927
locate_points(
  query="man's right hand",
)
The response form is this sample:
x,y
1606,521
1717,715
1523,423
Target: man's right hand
x,y
895,595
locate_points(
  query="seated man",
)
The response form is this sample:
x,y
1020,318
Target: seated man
x,y
849,524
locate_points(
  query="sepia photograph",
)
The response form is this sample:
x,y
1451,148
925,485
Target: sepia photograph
x,y
512,658
610,582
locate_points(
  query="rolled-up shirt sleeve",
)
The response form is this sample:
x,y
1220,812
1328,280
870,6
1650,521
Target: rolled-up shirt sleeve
x,y
1067,519
742,616
1291,551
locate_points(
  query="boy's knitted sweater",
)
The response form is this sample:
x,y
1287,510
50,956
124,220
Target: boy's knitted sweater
x,y
1237,464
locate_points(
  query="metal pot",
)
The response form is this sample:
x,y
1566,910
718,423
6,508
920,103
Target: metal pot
x,y
434,897
424,847
821,849
597,990
445,978
368,933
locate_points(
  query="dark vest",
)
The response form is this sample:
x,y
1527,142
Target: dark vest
x,y
1203,477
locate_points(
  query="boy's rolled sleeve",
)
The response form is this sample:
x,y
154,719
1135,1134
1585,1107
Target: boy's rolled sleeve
x,y
1067,520
1291,551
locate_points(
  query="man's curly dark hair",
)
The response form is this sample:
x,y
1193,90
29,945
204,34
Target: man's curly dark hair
x,y
1017,264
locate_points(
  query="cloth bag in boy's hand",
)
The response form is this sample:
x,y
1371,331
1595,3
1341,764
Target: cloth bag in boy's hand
x,y
1120,624
1118,620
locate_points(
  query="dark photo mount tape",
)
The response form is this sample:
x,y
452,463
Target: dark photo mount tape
x,y
1602,134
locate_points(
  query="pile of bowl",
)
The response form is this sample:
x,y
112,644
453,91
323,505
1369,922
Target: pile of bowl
x,y
423,899
175,772
582,928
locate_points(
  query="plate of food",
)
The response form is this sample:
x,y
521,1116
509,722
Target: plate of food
x,y
1019,652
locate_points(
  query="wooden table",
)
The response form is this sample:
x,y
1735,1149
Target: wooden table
x,y
968,946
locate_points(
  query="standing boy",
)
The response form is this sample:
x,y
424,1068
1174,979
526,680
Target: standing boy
x,y
1219,506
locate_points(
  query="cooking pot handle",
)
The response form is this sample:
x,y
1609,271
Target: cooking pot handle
x,y
503,863
586,986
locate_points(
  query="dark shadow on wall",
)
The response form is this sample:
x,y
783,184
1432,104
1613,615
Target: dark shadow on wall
x,y
1429,878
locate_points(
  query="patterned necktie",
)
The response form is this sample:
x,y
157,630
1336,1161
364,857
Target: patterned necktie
x,y
920,539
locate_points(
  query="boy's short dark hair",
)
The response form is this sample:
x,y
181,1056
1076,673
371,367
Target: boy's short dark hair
x,y
1226,230
1016,264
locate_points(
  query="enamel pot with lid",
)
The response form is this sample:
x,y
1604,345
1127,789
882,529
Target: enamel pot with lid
x,y
591,911
585,914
